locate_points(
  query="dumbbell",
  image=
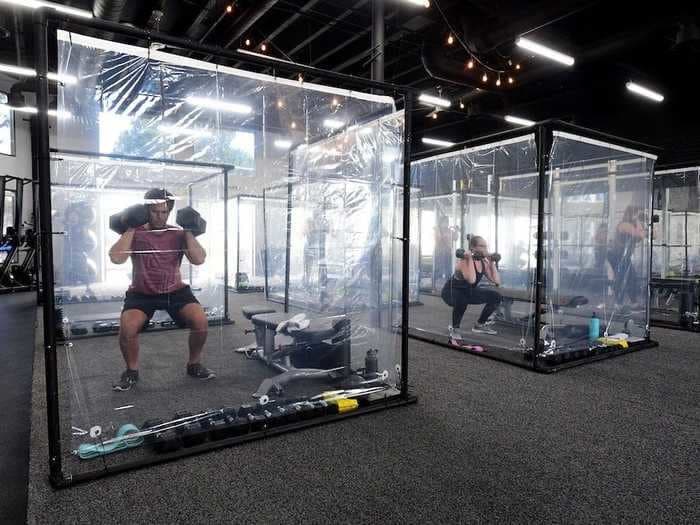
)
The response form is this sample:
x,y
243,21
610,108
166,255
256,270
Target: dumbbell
x,y
132,217
191,221
495,257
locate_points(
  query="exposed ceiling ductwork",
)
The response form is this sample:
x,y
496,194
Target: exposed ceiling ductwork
x,y
109,9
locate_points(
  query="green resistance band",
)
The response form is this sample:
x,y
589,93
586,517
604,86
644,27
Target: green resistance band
x,y
121,441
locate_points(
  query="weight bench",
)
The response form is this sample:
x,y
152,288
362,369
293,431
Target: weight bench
x,y
248,313
510,295
321,350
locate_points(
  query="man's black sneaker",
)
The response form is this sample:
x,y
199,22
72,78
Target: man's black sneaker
x,y
200,371
128,379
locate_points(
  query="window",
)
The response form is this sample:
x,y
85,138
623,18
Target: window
x,y
9,215
7,127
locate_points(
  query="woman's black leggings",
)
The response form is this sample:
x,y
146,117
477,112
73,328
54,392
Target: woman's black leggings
x,y
626,282
461,297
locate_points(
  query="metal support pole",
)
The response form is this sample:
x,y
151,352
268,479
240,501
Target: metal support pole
x,y
405,236
2,205
650,204
19,201
45,232
378,40
544,141
287,251
238,242
265,256
226,225
666,231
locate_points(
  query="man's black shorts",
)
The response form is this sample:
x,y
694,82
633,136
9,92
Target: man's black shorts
x,y
170,302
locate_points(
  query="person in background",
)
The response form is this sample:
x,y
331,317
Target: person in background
x,y
462,289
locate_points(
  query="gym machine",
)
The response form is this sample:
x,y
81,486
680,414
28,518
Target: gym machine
x,y
675,282
18,245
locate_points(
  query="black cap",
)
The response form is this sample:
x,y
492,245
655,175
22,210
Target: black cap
x,y
158,195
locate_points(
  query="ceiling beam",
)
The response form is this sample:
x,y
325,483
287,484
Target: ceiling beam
x,y
308,5
327,27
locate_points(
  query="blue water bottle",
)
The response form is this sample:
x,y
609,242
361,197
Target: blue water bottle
x,y
593,328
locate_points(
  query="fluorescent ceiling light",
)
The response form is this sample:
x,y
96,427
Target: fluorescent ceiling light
x,y
212,103
645,92
28,72
333,123
190,132
31,110
23,109
437,142
424,3
65,79
15,70
434,101
283,144
545,51
68,10
36,4
519,121
62,114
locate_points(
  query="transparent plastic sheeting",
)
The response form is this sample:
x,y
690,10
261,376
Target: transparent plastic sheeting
x,y
247,242
345,207
596,240
280,170
488,192
597,249
676,251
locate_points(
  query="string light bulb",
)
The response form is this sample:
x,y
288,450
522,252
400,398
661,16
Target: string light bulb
x,y
450,39
510,80
334,103
498,81
485,78
280,103
247,42
294,125
470,64
461,105
434,115
229,8
517,66
263,47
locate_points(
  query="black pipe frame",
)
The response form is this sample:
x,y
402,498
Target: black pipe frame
x,y
42,17
543,140
554,124
543,133
226,54
2,206
43,154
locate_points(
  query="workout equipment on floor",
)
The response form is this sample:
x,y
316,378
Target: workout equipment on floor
x,y
303,348
675,302
128,436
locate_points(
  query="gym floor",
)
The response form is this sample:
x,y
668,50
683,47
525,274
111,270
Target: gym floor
x,y
615,440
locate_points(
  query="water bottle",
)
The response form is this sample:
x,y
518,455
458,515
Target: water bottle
x,y
593,327
371,362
